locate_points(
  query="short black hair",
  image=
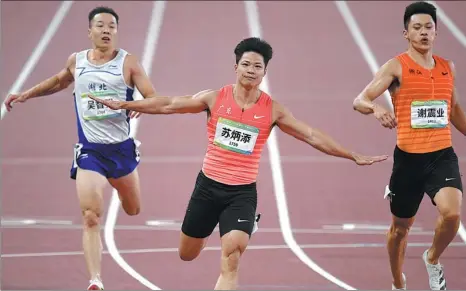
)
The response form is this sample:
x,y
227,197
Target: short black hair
x,y
420,7
254,44
102,9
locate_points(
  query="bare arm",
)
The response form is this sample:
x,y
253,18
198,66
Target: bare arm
x,y
381,82
139,77
364,102
457,117
316,138
165,105
54,84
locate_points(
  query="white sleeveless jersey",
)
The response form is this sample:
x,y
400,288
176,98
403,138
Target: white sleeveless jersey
x,y
98,123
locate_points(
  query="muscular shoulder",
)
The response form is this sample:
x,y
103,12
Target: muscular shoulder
x,y
132,62
208,97
451,64
392,67
71,61
279,111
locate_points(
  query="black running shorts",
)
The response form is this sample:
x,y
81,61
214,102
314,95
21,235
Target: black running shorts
x,y
233,207
416,174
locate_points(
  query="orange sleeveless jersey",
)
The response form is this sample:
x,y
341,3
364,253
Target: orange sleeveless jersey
x,y
236,138
422,106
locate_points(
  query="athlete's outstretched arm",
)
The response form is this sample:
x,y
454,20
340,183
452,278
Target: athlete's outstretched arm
x,y
54,84
164,105
457,117
316,138
364,102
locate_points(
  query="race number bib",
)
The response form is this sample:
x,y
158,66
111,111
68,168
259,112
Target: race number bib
x,y
235,136
96,111
429,114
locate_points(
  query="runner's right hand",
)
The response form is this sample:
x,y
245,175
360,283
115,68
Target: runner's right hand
x,y
14,98
112,104
385,117
368,160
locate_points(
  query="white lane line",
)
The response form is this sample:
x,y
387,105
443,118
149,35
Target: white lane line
x,y
275,163
38,50
358,37
455,30
152,37
218,248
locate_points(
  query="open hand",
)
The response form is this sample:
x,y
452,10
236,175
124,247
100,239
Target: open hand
x,y
385,117
112,104
368,160
14,98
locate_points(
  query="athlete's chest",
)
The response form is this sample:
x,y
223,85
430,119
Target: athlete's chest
x,y
103,82
238,130
426,97
258,116
93,77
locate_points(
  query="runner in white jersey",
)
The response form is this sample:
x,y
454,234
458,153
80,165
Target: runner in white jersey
x,y
104,152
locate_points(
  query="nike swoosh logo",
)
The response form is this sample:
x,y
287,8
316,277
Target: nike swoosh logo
x,y
257,117
242,220
448,179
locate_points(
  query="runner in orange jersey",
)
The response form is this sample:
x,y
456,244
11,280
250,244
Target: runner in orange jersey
x,y
425,103
240,118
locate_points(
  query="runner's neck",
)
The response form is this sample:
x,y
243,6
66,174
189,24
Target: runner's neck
x,y
423,59
98,54
245,97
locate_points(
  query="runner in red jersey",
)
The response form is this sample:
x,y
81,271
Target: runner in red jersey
x,y
241,117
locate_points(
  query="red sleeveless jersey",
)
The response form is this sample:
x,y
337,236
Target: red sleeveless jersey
x,y
236,138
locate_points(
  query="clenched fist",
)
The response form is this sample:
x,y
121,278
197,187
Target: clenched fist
x,y
385,117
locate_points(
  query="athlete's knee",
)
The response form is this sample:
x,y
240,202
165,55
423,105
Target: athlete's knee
x,y
449,202
190,247
398,231
188,255
400,227
451,215
231,259
234,244
132,210
91,218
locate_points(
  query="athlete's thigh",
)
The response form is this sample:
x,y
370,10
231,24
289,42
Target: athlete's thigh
x,y
203,210
129,190
406,187
90,186
445,178
404,200
123,174
240,213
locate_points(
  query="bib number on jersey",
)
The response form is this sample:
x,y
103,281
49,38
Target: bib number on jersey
x,y
429,114
235,136
96,111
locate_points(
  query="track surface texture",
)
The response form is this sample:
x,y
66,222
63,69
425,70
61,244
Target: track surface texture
x,y
189,55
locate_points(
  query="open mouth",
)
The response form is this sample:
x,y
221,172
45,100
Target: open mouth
x,y
106,38
424,40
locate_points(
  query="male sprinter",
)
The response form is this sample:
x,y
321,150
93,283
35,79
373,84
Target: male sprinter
x,y
105,151
425,102
240,118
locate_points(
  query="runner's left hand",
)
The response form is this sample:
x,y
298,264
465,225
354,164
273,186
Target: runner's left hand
x,y
368,160
134,114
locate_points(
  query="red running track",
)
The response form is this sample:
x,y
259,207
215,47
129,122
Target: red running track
x,y
195,54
